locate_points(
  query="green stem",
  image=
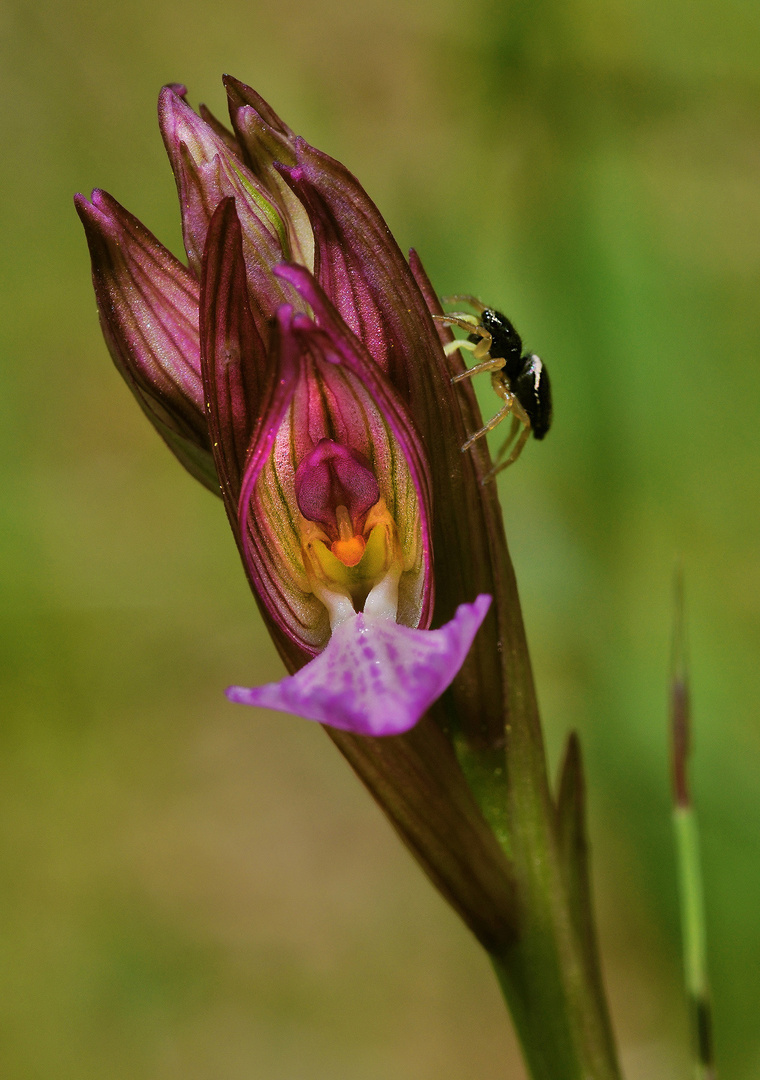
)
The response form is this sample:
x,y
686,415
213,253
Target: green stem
x,y
694,938
549,971
550,974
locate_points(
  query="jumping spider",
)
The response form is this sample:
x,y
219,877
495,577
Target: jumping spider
x,y
520,380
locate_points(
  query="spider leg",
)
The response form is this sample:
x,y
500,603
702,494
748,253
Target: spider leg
x,y
519,417
503,412
465,298
479,350
510,460
487,365
514,427
483,349
460,319
452,346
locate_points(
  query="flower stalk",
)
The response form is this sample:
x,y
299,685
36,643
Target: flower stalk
x,y
294,367
688,861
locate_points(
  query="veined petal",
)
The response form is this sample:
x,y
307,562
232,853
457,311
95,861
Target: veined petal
x,y
328,388
207,171
227,136
353,354
319,396
349,240
234,360
148,304
266,139
374,677
375,292
362,269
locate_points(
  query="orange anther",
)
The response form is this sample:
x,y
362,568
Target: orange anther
x,y
349,551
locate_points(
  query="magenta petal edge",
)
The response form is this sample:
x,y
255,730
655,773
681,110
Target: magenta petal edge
x,y
375,677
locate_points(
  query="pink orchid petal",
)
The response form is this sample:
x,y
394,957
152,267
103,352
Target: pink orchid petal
x,y
375,677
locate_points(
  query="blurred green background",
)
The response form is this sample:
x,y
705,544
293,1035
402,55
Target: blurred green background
x,y
188,890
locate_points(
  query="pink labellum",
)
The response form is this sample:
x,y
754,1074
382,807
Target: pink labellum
x,y
375,677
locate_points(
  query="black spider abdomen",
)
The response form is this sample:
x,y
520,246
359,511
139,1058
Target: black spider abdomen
x,y
533,390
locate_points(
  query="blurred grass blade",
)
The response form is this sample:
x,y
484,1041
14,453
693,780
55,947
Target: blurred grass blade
x,y
687,852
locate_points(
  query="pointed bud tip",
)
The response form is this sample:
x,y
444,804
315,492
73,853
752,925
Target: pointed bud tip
x,y
233,85
178,89
171,105
240,95
98,210
92,218
167,95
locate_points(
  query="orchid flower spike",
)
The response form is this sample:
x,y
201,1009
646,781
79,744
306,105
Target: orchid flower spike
x,y
292,367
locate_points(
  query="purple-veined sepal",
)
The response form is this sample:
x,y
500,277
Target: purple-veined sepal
x,y
265,141
207,170
148,306
375,677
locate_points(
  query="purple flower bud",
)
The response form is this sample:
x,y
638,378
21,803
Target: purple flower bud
x,y
295,368
207,171
148,304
